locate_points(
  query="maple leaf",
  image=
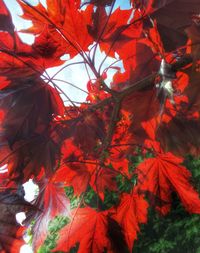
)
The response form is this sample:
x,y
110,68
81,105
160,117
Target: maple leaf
x,y
172,18
51,201
30,14
4,178
148,109
118,159
26,128
180,142
24,116
24,122
112,32
64,19
35,57
162,175
15,54
47,49
80,174
75,175
139,63
104,178
89,228
98,23
93,128
27,158
70,152
131,211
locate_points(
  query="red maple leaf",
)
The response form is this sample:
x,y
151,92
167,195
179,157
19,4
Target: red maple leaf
x,y
162,175
102,179
74,174
172,18
89,228
93,128
113,32
64,20
132,211
80,174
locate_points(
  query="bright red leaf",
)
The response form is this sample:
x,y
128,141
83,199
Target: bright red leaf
x,y
63,19
162,175
74,174
93,225
131,211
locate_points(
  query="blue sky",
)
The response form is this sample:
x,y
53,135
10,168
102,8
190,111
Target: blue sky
x,y
125,4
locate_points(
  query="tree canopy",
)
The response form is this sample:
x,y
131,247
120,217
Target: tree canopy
x,y
102,165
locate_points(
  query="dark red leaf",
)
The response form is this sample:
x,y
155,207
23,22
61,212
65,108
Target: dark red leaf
x,y
11,234
24,116
5,19
173,16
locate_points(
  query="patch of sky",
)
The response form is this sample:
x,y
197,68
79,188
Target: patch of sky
x,y
123,4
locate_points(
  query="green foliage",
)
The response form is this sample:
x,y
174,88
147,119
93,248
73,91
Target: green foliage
x,y
74,200
53,228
